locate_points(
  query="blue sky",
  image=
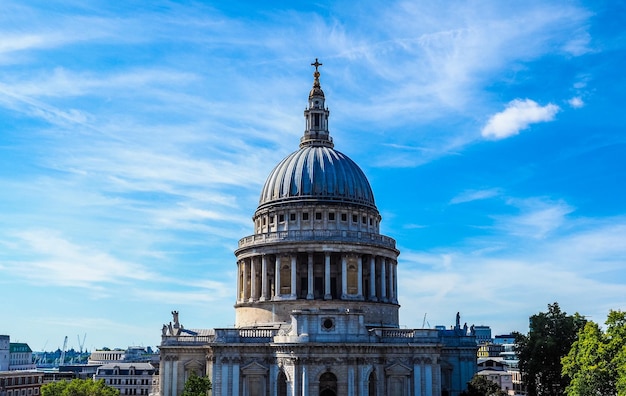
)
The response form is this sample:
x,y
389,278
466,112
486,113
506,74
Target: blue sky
x,y
135,138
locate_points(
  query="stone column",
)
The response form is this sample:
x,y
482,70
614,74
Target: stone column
x,y
235,379
373,278
359,276
175,377
383,279
252,279
246,279
344,276
351,380
395,282
305,382
437,379
327,293
294,295
225,379
263,278
417,378
391,282
166,377
428,374
238,280
277,279
309,293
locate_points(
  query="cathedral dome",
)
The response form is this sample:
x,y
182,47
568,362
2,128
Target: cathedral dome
x,y
318,173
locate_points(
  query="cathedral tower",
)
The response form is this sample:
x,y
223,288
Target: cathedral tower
x,y
316,241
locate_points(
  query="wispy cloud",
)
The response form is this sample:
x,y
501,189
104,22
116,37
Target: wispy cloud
x,y
518,115
475,195
537,217
60,262
523,278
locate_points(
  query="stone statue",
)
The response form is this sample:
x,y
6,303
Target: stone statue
x,y
164,330
458,320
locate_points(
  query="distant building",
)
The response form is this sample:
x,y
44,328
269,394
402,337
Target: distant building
x,y
489,350
129,378
131,354
497,372
5,352
20,383
498,361
483,334
21,357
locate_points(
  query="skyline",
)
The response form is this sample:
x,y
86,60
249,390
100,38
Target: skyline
x,y
136,140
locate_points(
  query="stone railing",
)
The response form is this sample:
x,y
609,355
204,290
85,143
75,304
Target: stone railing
x,y
318,236
244,335
187,340
405,335
223,335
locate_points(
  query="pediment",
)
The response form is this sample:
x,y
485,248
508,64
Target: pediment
x,y
254,368
398,369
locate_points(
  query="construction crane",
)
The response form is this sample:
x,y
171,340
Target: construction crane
x,y
81,344
62,358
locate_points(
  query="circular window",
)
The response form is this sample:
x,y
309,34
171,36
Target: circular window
x,y
328,324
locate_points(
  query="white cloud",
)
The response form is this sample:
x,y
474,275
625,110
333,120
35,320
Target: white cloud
x,y
537,218
576,102
518,115
587,255
475,195
57,261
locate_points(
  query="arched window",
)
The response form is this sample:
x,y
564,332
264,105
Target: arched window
x,y
371,384
353,278
328,384
281,384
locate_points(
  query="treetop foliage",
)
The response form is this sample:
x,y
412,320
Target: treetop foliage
x,y
78,387
196,386
550,337
596,363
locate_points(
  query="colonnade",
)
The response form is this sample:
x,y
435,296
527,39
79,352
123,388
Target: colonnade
x,y
324,275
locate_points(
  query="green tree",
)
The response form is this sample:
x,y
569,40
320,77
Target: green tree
x,y
596,363
482,386
196,386
78,387
550,338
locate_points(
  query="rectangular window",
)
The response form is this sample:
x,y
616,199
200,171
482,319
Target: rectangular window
x,y
364,220
305,216
331,216
292,217
318,215
281,218
344,217
354,218
272,219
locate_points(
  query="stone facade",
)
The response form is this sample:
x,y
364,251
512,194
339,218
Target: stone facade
x,y
316,296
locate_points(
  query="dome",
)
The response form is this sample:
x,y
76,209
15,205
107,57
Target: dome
x,y
317,173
